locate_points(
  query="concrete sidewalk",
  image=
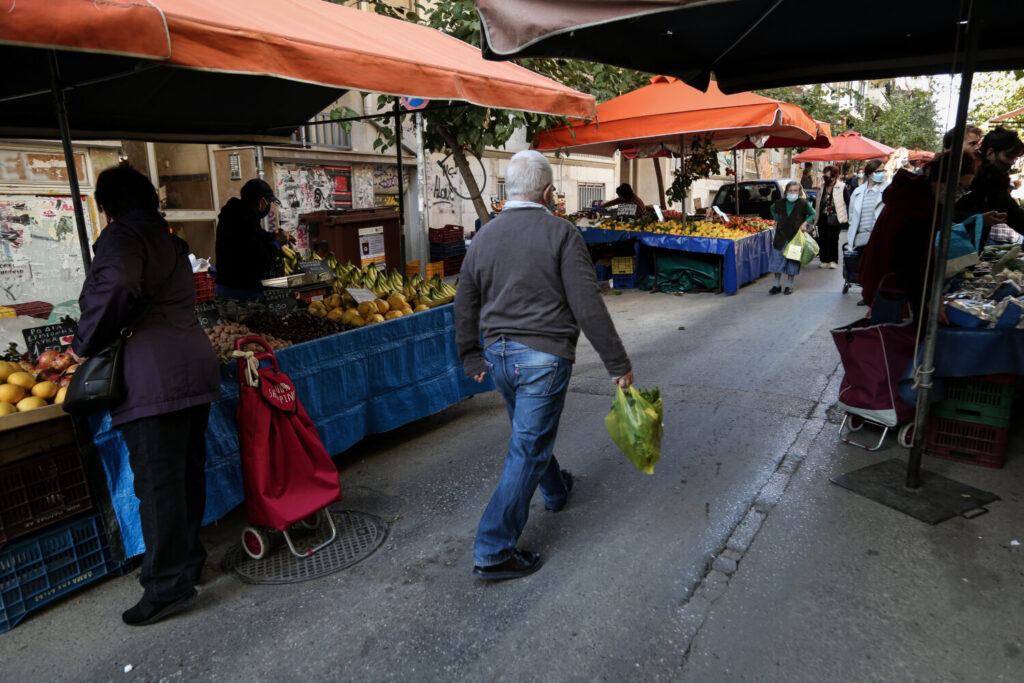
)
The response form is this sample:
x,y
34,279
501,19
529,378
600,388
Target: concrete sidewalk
x,y
821,584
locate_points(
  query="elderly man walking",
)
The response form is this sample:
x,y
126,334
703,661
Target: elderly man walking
x,y
528,286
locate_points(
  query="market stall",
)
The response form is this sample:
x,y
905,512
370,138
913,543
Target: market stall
x,y
743,259
352,384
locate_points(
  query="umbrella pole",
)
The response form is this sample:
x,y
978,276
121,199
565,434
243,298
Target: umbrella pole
x,y
401,180
61,106
736,181
682,169
661,181
927,367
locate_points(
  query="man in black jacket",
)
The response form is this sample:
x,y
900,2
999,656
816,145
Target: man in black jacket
x,y
246,253
990,189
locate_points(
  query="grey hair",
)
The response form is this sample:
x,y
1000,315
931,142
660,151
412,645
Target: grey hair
x,y
793,183
527,175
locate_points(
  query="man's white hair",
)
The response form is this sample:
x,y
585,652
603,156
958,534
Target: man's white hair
x,y
528,173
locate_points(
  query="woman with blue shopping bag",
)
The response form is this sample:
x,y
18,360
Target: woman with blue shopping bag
x,y
793,214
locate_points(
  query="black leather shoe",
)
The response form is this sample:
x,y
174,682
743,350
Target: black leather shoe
x,y
775,290
568,479
521,563
145,612
787,290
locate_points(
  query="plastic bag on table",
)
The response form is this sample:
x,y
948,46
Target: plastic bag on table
x,y
635,424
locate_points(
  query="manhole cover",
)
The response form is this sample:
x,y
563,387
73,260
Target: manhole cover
x,y
359,534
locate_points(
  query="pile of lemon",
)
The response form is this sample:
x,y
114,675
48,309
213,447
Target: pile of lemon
x,y
19,390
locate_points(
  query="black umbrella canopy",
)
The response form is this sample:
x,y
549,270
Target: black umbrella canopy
x,y
127,97
750,44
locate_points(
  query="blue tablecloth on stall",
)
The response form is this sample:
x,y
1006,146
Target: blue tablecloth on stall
x,y
743,260
361,382
962,352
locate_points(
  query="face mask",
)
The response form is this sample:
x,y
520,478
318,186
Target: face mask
x,y
827,178
860,174
1001,165
878,176
792,196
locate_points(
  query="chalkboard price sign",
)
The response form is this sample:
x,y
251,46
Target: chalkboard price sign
x,y
318,269
625,211
208,315
49,337
279,301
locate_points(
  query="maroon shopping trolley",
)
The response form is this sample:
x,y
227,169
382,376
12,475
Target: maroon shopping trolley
x,y
875,356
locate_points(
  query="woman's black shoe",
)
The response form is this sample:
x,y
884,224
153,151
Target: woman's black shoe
x,y
775,290
521,563
788,290
146,612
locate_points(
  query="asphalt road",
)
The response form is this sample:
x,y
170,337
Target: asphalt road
x,y
746,383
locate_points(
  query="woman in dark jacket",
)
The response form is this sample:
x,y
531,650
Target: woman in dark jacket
x,y
171,376
792,213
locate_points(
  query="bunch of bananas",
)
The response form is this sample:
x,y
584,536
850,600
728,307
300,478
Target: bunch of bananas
x,y
290,259
415,289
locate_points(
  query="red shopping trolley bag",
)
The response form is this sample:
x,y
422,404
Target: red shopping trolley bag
x,y
286,471
874,357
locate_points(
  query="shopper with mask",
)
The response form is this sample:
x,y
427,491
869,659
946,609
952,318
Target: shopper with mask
x,y
990,190
246,253
830,208
792,213
866,204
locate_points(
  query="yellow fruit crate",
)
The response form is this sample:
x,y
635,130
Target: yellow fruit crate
x,y
435,268
412,268
623,265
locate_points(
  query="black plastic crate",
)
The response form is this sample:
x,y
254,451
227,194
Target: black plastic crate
x,y
41,490
447,250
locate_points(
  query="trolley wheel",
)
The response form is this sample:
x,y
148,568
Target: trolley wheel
x,y
906,435
846,288
854,423
255,542
311,522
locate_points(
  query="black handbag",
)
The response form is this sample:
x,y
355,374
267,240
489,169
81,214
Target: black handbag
x,y
832,220
99,381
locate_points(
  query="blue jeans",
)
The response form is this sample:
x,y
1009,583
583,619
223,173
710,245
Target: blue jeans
x,y
533,384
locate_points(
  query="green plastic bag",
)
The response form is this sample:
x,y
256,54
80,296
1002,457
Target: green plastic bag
x,y
635,425
801,248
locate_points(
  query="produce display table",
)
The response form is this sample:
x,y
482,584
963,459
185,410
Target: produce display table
x,y
361,382
743,260
962,352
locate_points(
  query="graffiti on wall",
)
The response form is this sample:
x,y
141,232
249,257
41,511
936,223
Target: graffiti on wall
x,y
301,189
362,186
40,257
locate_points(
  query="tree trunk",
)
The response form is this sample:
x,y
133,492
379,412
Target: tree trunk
x,y
467,175
661,182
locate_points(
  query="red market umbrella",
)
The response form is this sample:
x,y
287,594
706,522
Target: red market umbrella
x,y
847,146
649,121
920,155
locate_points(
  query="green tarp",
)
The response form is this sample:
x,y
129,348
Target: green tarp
x,y
681,271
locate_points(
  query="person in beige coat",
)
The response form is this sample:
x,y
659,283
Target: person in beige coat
x,y
830,208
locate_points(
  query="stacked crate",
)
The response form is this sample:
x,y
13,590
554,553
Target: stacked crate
x,y
51,541
623,272
205,286
448,246
973,422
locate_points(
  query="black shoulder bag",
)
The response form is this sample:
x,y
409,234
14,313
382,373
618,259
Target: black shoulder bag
x,y
99,381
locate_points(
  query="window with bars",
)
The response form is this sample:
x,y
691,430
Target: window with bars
x,y
322,132
588,193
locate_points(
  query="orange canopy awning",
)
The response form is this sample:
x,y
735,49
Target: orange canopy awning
x,y
847,146
650,120
268,51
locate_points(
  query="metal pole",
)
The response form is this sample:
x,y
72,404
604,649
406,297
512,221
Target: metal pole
x,y
401,180
736,181
421,178
927,368
682,170
61,106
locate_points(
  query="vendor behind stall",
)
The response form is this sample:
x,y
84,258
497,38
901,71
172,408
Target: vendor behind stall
x,y
246,253
990,190
625,195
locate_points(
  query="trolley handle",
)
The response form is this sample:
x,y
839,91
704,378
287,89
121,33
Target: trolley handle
x,y
266,355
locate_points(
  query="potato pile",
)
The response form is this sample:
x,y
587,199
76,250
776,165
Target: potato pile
x,y
222,338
